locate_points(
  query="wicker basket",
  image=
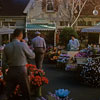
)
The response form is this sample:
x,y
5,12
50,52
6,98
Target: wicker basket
x,y
81,60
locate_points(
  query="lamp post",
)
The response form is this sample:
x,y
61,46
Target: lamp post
x,y
55,34
96,12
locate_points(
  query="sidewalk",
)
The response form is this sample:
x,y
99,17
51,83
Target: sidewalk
x,y
60,79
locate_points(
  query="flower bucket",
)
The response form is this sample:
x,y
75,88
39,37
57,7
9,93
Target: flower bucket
x,y
38,91
81,60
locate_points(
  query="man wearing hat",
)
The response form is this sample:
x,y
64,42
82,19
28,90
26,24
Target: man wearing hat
x,y
39,46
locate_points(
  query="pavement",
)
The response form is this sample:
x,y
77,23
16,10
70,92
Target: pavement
x,y
59,79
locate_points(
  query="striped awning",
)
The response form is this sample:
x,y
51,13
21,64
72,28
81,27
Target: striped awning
x,y
41,27
92,29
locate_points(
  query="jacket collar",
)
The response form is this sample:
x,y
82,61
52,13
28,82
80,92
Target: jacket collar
x,y
16,40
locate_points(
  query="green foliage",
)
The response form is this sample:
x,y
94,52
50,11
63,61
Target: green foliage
x,y
65,35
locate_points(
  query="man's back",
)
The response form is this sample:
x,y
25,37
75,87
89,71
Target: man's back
x,y
39,42
16,53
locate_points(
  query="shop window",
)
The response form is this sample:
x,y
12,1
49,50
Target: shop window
x,y
5,24
89,23
8,23
12,23
66,23
61,23
81,23
50,5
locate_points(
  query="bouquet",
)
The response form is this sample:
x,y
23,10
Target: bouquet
x,y
36,76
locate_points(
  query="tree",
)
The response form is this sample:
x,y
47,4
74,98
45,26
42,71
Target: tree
x,y
70,10
65,35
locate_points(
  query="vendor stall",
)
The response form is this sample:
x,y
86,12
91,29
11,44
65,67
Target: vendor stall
x,y
95,29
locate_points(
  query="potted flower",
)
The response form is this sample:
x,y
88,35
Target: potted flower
x,y
37,78
60,94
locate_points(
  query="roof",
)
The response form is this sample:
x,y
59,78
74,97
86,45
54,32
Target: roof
x,y
41,27
12,7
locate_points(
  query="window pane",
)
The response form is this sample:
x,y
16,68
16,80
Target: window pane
x,y
12,23
5,23
50,5
81,23
89,23
62,23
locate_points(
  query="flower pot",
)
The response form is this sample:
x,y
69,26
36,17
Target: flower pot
x,y
38,91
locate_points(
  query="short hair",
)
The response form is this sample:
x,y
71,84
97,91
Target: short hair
x,y
17,32
73,36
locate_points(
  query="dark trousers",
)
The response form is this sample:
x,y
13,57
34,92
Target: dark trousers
x,y
17,76
39,57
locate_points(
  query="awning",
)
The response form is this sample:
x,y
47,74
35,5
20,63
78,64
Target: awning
x,y
95,29
5,30
41,27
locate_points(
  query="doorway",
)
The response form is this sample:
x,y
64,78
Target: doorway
x,y
93,38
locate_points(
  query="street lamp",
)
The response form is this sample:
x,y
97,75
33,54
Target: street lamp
x,y
95,11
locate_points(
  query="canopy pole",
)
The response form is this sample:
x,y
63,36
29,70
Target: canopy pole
x,y
26,34
9,37
55,35
0,39
99,38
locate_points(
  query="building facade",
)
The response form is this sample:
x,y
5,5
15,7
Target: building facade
x,y
12,16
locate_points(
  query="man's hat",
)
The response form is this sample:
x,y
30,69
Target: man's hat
x,y
37,33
